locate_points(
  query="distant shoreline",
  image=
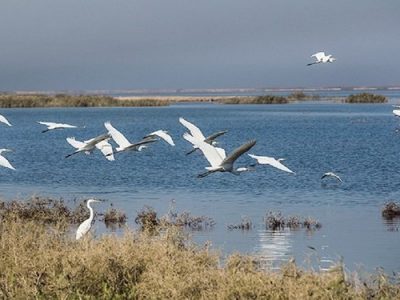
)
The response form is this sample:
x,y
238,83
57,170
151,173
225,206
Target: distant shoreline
x,y
68,100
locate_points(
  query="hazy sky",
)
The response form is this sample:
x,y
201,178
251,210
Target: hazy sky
x,y
115,44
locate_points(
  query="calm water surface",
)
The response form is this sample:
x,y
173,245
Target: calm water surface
x,y
358,142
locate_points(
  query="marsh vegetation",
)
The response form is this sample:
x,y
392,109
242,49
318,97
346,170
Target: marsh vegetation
x,y
391,210
276,221
67,100
41,259
266,99
44,261
365,98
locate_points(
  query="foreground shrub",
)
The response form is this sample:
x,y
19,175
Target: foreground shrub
x,y
366,98
40,261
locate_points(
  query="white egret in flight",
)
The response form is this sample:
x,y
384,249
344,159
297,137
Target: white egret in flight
x,y
87,224
322,58
123,143
86,146
196,132
52,126
217,158
162,134
266,160
331,174
396,112
3,161
4,120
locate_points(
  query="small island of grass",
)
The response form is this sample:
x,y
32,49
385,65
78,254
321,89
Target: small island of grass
x,y
365,98
266,99
66,100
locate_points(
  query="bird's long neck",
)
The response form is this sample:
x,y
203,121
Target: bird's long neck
x,y
91,212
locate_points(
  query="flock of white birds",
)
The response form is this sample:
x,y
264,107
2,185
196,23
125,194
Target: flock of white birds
x,y
216,156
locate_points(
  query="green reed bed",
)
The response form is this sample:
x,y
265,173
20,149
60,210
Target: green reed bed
x,y
366,98
64,100
267,99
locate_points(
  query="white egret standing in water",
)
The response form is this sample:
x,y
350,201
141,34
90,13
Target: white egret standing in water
x,y
217,158
87,224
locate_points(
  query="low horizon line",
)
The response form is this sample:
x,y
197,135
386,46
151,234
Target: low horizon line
x,y
200,90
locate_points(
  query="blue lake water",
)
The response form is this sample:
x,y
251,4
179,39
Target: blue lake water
x,y
358,142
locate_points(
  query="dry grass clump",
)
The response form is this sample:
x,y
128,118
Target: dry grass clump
x,y
187,220
366,98
149,221
56,211
276,221
311,224
44,210
245,224
301,96
65,100
38,261
391,210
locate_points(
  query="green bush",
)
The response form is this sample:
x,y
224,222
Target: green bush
x,y
366,98
266,99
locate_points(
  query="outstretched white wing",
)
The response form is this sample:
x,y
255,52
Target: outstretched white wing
x,y
221,152
48,124
213,155
319,56
74,143
117,136
52,125
396,112
4,120
331,174
163,135
106,148
266,160
194,130
5,163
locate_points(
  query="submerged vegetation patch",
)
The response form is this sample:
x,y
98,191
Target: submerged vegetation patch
x,y
114,217
391,210
67,100
245,224
276,221
365,98
55,211
149,221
